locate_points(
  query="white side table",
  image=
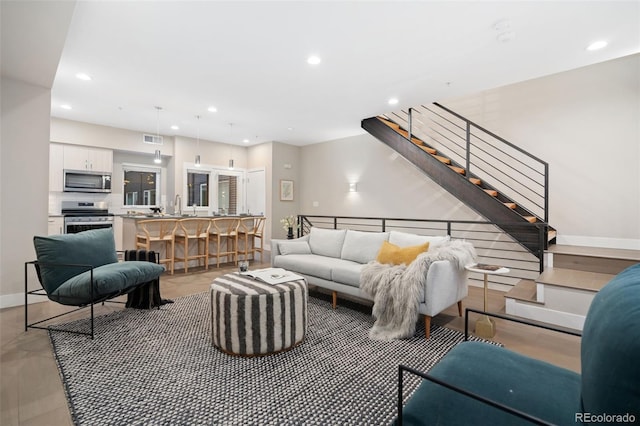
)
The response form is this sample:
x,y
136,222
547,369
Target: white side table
x,y
485,326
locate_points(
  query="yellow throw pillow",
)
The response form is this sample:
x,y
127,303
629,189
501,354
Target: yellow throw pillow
x,y
391,253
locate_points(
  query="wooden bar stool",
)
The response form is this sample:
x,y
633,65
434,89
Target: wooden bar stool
x,y
223,233
250,229
193,229
158,231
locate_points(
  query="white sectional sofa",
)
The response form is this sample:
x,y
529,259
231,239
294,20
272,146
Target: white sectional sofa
x,y
333,259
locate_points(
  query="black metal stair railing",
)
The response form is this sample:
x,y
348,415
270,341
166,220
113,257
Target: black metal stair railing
x,y
501,165
492,244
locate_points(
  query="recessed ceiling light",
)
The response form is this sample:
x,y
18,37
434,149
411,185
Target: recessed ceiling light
x,y
174,127
212,109
245,140
313,60
597,45
393,101
83,76
289,128
65,106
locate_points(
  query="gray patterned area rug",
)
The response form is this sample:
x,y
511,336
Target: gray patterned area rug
x,y
158,367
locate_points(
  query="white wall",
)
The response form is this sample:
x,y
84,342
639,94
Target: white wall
x,y
585,124
79,133
387,184
286,165
261,157
24,181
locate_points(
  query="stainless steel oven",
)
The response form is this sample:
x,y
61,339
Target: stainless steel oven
x,y
82,216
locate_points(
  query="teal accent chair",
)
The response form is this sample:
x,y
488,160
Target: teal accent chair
x,y
81,270
479,383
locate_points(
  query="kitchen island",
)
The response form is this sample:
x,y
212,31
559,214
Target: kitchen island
x,y
129,224
130,228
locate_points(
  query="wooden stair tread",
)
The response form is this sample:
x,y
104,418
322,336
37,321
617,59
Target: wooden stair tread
x,y
389,123
512,206
428,149
459,170
491,192
571,278
530,219
444,160
475,181
524,290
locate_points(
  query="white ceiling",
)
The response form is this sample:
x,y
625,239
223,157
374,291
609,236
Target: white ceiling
x,y
248,59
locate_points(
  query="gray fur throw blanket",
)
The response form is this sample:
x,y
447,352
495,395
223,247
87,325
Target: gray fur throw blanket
x,y
395,289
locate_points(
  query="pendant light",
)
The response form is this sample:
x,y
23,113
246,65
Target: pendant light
x,y
198,143
231,147
157,158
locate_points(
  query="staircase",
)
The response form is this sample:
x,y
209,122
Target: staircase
x,y
562,294
464,158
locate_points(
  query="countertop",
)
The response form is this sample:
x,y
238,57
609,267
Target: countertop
x,y
170,216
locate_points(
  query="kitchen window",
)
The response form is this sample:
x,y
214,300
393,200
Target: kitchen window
x,y
141,186
198,189
215,190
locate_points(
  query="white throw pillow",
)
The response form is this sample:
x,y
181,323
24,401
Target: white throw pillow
x,y
294,247
404,239
326,242
362,247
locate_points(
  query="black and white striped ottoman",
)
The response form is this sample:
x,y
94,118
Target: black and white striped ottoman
x,y
249,317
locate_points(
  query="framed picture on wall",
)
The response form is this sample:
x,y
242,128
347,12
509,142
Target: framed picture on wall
x,y
286,190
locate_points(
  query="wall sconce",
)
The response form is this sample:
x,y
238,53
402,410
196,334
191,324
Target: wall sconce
x,y
353,186
157,158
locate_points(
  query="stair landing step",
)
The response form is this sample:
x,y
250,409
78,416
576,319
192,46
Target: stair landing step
x,y
606,253
570,278
525,291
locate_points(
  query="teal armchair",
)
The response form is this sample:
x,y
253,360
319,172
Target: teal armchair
x,y
81,270
479,383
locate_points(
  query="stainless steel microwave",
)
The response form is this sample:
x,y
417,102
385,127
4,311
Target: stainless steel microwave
x,y
86,181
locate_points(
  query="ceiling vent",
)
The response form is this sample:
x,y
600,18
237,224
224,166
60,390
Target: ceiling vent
x,y
152,139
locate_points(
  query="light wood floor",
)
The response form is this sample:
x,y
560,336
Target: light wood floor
x,y
31,390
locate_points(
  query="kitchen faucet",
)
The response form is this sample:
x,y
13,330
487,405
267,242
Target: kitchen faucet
x,y
178,205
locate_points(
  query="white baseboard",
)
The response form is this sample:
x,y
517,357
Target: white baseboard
x,y
17,299
603,242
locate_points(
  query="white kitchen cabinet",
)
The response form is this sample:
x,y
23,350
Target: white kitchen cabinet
x,y
56,166
55,225
85,158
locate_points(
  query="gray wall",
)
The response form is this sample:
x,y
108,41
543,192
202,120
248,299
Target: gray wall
x,y
387,184
583,122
